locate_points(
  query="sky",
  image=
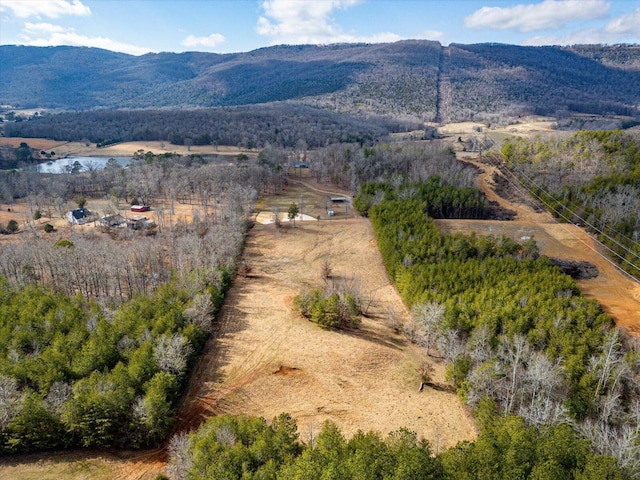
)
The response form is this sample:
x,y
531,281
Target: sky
x,y
137,27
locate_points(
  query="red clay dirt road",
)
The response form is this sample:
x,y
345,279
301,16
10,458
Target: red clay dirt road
x,y
618,294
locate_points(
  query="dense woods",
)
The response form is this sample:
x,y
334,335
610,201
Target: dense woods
x,y
514,329
252,448
283,125
349,166
98,330
495,82
591,179
73,373
415,80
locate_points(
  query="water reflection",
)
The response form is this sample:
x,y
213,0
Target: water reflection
x,y
80,164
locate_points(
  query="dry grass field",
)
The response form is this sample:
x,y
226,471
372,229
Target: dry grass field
x,y
265,359
65,149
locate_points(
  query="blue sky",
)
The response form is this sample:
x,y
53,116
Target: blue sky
x,y
223,26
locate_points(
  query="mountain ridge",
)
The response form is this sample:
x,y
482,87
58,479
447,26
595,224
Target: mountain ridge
x,y
400,80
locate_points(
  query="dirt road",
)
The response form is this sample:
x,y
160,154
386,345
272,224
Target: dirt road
x,y
617,293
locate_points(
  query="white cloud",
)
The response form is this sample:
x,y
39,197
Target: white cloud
x,y
44,8
49,35
431,35
302,22
624,29
626,24
549,14
210,41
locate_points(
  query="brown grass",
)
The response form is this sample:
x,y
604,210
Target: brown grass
x,y
265,359
125,149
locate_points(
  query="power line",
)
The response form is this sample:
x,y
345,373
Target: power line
x,y
592,226
573,214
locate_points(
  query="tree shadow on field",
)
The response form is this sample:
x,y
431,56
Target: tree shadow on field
x,y
374,337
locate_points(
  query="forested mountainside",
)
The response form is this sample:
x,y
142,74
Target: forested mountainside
x,y
415,79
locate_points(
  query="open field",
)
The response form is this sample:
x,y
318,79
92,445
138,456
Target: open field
x,y
265,359
65,149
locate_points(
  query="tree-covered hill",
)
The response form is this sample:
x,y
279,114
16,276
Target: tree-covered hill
x,y
412,78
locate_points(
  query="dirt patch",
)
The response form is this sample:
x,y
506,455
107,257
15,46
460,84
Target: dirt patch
x,y
617,293
512,191
266,359
284,370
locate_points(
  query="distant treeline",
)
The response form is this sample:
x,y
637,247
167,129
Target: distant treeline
x,y
283,124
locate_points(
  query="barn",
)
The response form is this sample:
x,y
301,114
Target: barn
x,y
140,208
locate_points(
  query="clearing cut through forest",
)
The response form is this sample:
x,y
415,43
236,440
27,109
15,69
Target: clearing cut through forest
x,y
265,358
617,292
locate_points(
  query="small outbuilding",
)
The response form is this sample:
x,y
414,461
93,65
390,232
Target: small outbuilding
x,y
113,221
140,208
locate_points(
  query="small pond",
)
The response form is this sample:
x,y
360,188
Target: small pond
x,y
84,164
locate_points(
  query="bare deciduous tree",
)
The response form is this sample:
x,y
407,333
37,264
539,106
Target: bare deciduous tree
x,y
428,316
179,457
171,353
200,311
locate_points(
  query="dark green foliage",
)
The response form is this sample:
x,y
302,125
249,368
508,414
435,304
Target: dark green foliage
x,y
48,228
292,212
507,448
329,309
229,447
12,226
440,199
85,379
64,243
247,447
517,331
493,283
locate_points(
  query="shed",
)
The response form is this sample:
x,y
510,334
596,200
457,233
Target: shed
x,y
140,208
113,221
